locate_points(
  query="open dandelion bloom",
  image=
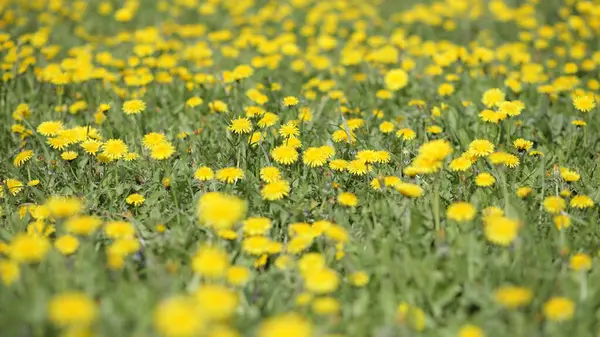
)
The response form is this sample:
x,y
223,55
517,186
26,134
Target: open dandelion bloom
x,y
461,211
135,199
290,324
230,174
275,190
347,199
220,211
559,309
240,125
204,173
210,262
580,261
72,309
396,79
178,316
133,107
222,168
513,297
554,204
22,158
285,154
584,103
485,179
270,174
500,230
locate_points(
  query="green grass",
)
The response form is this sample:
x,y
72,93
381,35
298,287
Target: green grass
x,y
409,248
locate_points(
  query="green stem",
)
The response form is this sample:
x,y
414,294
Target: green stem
x,y
436,205
583,291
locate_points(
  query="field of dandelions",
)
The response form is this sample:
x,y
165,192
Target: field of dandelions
x,y
299,168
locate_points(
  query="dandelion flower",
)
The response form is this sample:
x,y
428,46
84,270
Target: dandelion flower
x,y
256,225
285,154
406,134
569,175
238,275
178,316
162,151
69,155
219,210
83,225
325,306
66,244
22,158
193,102
584,103
347,199
276,190
134,106
386,127
581,201
470,330
338,164
485,179
522,144
559,309
131,156
434,129
240,125
28,248
14,186
218,106
396,79
580,261
323,281
289,129
500,230
50,128
316,156
268,119
72,309
510,108
411,315
492,97
523,192
359,279
119,229
91,146
204,173
63,207
358,167
409,190
289,325
461,211
152,139
210,262
290,101
460,164
135,199
554,204
217,301
58,143
114,149
9,272
512,297
270,174
230,174
561,221
481,147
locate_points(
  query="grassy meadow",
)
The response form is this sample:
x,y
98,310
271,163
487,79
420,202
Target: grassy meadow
x,y
299,168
